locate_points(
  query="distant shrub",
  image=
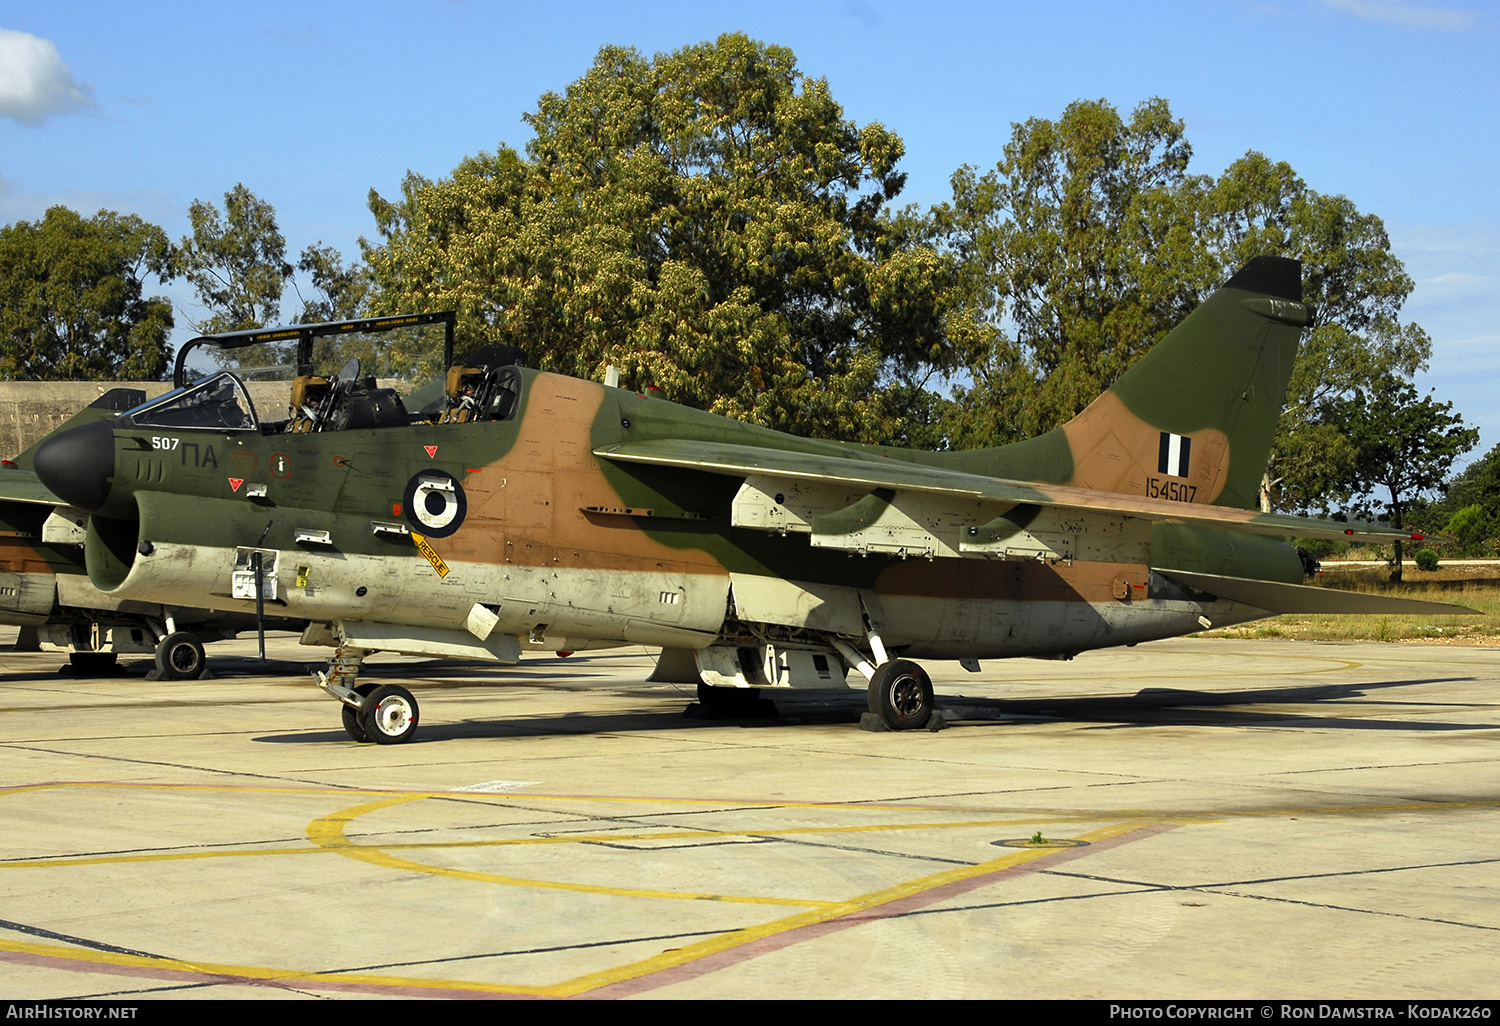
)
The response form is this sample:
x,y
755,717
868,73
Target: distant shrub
x,y
1426,559
1471,527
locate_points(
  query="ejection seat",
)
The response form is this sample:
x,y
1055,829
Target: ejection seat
x,y
485,385
344,402
309,393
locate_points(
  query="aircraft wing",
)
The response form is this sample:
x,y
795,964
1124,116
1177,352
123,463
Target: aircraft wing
x,y
23,486
924,491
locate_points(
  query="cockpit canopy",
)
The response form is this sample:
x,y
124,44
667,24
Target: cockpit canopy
x,y
391,371
219,403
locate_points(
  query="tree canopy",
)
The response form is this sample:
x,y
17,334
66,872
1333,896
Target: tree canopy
x,y
705,220
235,261
72,302
342,293
1090,240
1403,445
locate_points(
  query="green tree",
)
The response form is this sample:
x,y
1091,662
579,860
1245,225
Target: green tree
x,y
342,293
1479,484
1403,446
1469,509
1473,527
705,220
1089,240
1076,254
72,301
1356,285
235,261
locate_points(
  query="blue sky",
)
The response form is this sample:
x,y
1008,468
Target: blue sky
x,y
142,108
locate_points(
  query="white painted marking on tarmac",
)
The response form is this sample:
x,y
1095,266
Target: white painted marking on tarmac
x,y
498,785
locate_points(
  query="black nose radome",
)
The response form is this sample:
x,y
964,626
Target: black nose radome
x,y
77,464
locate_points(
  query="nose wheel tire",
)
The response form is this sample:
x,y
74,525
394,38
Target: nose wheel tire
x,y
351,714
180,657
901,695
388,715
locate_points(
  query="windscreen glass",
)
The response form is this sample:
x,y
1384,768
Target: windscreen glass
x,y
217,404
404,358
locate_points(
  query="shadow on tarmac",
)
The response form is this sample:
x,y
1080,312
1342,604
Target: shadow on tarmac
x,y
1151,707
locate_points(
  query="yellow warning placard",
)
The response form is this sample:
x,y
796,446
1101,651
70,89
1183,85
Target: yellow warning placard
x,y
432,556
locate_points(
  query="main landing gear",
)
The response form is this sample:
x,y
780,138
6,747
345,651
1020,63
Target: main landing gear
x,y
900,692
179,656
386,714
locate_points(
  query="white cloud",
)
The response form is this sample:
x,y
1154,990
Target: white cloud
x,y
1408,15
34,82
1455,285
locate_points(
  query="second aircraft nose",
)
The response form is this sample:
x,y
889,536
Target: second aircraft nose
x,y
78,464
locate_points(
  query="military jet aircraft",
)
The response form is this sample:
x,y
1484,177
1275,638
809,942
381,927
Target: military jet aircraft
x,y
506,506
44,587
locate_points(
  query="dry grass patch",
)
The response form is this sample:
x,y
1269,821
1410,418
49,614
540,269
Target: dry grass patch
x,y
1457,585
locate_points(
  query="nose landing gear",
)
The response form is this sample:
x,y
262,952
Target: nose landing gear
x,y
386,714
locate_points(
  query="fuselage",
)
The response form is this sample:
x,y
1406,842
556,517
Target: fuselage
x,y
417,523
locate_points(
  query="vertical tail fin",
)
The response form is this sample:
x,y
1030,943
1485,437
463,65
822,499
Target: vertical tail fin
x,y
1193,419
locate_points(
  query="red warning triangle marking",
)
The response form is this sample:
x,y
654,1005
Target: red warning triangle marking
x,y
431,451
235,482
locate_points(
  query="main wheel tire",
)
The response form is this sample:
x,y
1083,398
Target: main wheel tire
x,y
901,695
351,714
389,715
92,664
180,656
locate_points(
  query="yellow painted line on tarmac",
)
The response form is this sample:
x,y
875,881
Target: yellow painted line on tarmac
x,y
739,938
582,984
328,832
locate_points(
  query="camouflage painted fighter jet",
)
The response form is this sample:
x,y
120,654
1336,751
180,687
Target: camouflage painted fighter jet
x,y
508,506
45,588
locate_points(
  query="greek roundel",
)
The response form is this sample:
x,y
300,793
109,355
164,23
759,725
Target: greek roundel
x,y
1173,458
435,503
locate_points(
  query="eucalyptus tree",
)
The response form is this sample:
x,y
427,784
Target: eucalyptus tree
x,y
72,297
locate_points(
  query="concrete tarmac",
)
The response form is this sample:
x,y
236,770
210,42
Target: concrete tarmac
x,y
1189,819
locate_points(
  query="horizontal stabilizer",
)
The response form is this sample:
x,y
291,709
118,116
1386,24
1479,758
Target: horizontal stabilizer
x,y
868,471
1276,597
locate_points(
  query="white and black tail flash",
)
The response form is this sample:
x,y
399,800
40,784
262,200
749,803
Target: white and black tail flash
x,y
1173,459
